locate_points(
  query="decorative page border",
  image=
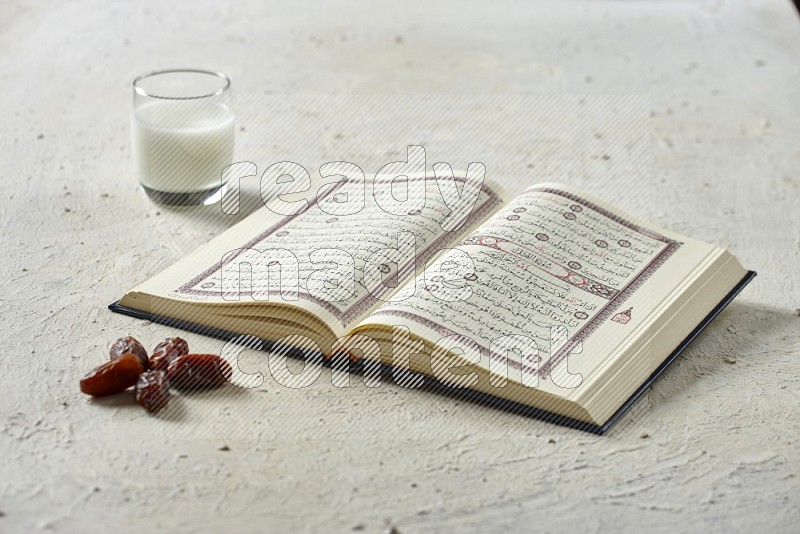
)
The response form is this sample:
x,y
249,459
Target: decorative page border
x,y
605,313
368,300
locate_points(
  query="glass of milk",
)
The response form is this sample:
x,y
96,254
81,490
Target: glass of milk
x,y
183,135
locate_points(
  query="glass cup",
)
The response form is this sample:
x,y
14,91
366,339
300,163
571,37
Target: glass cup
x,y
183,135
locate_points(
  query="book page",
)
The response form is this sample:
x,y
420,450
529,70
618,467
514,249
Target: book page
x,y
336,263
541,276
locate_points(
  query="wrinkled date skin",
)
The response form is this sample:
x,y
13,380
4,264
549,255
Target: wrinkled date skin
x,y
129,345
152,390
198,371
166,351
113,376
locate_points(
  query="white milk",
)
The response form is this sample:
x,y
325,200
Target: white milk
x,y
181,146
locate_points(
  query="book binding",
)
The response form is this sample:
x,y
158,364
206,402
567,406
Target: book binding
x,y
432,384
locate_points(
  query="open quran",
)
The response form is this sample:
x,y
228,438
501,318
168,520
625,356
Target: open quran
x,y
550,301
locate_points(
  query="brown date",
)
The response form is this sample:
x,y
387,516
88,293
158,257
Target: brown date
x,y
166,351
198,371
113,376
129,345
152,390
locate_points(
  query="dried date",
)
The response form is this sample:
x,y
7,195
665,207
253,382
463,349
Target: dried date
x,y
152,390
166,351
198,371
129,345
113,376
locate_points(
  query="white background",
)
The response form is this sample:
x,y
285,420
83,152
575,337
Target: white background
x,y
712,447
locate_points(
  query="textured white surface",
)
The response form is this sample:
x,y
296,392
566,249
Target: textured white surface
x,y
712,447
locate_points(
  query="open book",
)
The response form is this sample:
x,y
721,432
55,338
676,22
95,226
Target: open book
x,y
552,300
